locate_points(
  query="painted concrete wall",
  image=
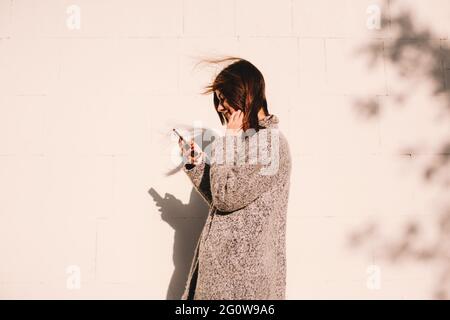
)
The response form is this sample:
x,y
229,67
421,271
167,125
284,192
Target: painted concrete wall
x,y
91,206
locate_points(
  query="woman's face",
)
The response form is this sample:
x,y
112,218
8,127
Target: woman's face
x,y
223,106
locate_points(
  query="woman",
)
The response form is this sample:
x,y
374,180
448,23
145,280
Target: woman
x,y
241,252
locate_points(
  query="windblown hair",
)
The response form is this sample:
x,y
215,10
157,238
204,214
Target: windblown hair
x,y
243,87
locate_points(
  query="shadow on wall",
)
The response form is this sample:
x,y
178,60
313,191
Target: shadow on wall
x,y
187,220
419,57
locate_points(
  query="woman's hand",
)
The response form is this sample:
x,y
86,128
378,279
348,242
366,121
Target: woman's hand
x,y
192,154
235,122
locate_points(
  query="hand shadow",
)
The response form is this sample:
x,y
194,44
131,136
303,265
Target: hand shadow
x,y
187,220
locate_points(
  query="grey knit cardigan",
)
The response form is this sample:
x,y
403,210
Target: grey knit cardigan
x,y
241,252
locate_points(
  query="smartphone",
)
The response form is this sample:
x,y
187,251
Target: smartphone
x,y
193,153
179,135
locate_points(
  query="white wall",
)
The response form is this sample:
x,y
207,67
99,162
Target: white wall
x,y
85,116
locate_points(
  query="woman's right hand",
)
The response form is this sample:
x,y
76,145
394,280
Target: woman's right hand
x,y
191,154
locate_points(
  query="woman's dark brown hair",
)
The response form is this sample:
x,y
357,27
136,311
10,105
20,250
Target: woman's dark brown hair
x,y
242,86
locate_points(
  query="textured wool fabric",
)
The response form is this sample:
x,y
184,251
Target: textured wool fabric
x,y
241,252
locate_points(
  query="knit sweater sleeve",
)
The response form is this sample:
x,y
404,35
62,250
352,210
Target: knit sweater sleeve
x,y
199,175
235,184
